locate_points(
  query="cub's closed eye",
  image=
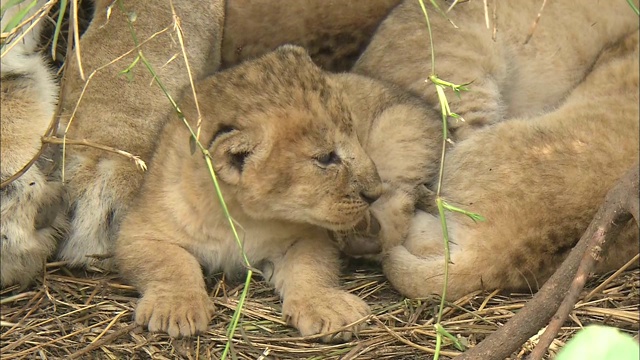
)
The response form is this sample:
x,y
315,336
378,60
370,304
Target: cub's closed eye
x,y
328,158
237,160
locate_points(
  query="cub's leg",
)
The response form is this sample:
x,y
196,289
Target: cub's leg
x,y
333,32
507,77
538,182
32,216
402,136
306,276
174,299
125,113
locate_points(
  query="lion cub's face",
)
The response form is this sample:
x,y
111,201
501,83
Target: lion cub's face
x,y
282,137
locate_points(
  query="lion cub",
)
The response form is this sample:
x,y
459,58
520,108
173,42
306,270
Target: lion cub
x,y
31,209
288,143
514,173
510,76
538,182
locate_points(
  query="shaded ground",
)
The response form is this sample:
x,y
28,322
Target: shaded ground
x,y
89,316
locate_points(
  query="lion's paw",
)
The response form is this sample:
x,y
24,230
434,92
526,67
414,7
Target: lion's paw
x,y
179,314
325,314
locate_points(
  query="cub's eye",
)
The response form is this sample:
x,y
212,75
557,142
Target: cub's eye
x,y
328,159
237,160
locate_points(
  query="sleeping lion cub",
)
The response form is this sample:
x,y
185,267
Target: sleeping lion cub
x,y
538,182
294,150
508,77
550,125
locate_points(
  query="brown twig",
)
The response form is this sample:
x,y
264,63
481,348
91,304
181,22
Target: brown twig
x,y
494,32
28,165
617,212
535,23
596,242
75,32
619,206
486,14
136,159
105,340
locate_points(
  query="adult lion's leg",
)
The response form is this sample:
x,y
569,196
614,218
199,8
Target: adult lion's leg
x,y
126,112
32,216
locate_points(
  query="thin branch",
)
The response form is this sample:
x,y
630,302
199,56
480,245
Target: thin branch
x,y
494,32
136,159
616,219
586,266
104,341
535,23
73,27
486,14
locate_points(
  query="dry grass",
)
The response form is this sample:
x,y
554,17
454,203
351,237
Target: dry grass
x,y
89,315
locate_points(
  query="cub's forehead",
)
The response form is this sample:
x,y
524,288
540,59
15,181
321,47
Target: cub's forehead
x,y
283,87
297,120
303,96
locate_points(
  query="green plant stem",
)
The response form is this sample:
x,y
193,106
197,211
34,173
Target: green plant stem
x,y
56,33
440,176
207,156
633,6
433,54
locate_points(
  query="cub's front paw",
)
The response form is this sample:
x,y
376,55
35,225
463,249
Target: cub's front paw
x,y
178,313
326,313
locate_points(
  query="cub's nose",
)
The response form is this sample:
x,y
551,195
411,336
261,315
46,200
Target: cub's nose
x,y
371,195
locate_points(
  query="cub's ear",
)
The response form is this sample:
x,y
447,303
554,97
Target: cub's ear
x,y
292,53
292,49
230,148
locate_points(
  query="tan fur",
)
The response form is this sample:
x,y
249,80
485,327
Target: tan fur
x,y
509,78
124,113
31,214
288,145
538,182
127,114
334,32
